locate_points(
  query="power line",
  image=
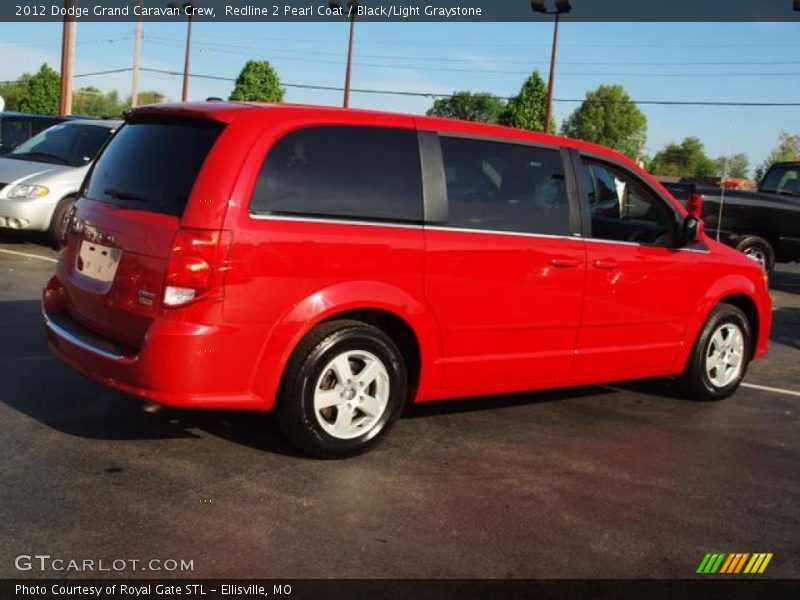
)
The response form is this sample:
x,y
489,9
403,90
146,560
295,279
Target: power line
x,y
330,88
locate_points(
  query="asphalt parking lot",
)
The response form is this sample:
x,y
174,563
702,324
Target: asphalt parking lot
x,y
626,480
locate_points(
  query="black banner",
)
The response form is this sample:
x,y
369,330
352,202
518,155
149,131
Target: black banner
x,y
716,588
398,10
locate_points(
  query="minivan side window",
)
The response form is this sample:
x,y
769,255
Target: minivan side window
x,y
370,173
623,210
501,186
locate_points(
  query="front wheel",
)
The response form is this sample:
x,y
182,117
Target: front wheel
x,y
720,356
343,388
57,231
759,250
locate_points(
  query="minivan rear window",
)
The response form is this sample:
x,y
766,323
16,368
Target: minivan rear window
x,y
152,165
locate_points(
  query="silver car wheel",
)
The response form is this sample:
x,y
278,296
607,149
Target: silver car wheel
x,y
351,394
756,254
725,355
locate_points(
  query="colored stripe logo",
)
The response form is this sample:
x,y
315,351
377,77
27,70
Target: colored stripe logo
x,y
734,563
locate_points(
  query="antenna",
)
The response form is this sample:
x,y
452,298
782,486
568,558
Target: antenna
x,y
722,195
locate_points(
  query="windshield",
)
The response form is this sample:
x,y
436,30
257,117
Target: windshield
x,y
152,165
782,180
15,130
71,144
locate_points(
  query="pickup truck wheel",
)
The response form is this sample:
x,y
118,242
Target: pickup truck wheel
x,y
343,388
720,356
757,249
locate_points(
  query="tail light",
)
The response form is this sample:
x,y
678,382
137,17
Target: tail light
x,y
196,265
695,205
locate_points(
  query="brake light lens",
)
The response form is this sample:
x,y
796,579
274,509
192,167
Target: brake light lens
x,y
195,265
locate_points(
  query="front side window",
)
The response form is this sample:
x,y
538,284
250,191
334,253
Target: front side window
x,y
623,210
505,187
368,173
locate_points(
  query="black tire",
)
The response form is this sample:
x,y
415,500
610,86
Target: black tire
x,y
758,249
297,416
695,379
58,222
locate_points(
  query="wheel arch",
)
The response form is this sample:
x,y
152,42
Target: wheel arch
x,y
736,290
404,318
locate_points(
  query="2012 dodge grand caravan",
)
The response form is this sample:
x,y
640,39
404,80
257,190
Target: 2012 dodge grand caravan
x,y
334,264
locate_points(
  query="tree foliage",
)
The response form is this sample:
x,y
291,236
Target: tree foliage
x,y
147,97
735,166
687,159
526,110
788,148
609,117
34,93
258,81
91,102
480,106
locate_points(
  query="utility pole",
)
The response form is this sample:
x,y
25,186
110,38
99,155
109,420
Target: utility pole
x,y
562,6
352,6
188,9
137,55
67,59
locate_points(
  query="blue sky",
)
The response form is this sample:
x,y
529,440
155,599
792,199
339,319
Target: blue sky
x,y
654,61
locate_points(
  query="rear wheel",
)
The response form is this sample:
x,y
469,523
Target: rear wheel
x,y
759,250
720,355
343,388
58,222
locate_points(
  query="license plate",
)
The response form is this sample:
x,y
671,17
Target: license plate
x,y
98,262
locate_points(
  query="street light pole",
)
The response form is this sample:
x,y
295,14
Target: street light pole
x,y
562,6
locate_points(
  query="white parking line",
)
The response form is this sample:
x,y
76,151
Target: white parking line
x,y
766,388
28,255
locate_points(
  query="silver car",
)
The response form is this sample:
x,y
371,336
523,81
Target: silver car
x,y
40,178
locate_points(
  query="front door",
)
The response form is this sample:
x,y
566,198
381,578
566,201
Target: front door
x,y
639,287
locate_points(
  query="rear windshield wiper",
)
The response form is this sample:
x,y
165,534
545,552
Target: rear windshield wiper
x,y
123,195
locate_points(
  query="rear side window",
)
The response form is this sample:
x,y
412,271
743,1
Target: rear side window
x,y
505,187
152,166
347,172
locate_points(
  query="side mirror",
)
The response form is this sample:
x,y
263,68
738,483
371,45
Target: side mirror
x,y
692,229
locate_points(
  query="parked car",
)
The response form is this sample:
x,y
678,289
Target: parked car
x,y
334,264
764,225
40,178
16,128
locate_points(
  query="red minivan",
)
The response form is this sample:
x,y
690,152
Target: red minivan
x,y
333,264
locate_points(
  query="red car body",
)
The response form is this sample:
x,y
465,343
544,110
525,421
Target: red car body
x,y
482,312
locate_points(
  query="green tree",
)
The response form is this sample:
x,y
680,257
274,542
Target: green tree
x,y
735,166
788,148
258,81
147,97
12,93
609,117
687,159
480,106
92,102
526,110
39,92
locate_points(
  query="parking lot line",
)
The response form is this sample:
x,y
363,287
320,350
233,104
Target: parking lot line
x,y
766,388
28,255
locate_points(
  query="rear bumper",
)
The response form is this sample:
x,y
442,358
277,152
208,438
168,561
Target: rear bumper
x,y
179,364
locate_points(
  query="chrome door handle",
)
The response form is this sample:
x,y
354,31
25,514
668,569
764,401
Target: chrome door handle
x,y
565,263
606,264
